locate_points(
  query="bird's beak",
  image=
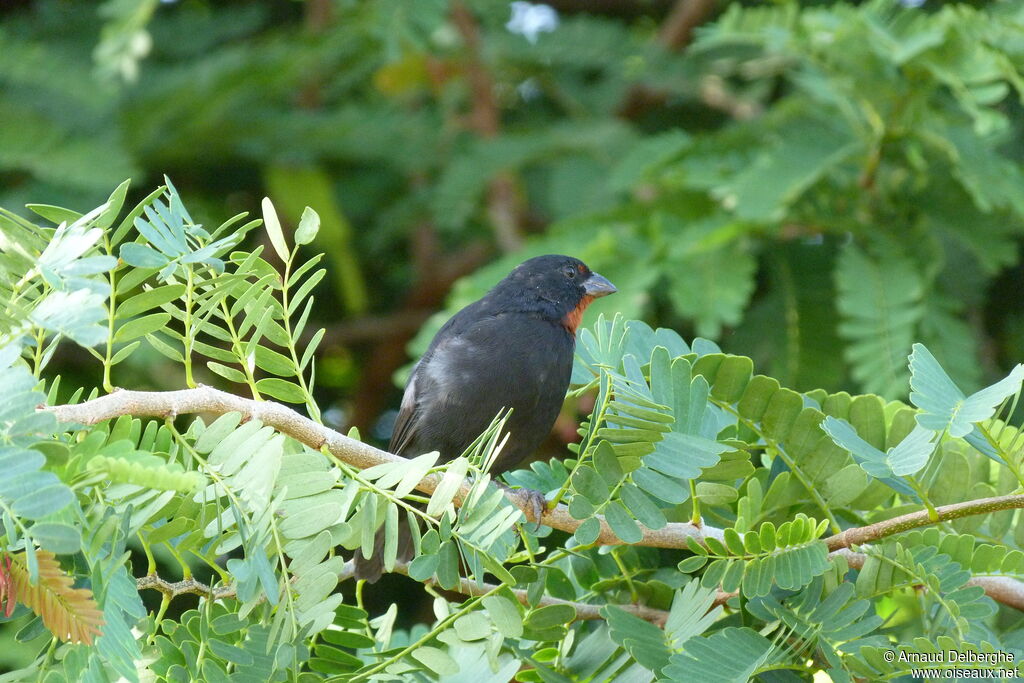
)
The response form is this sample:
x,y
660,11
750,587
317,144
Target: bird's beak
x,y
598,285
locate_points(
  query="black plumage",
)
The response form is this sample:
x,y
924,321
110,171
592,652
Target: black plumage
x,y
513,348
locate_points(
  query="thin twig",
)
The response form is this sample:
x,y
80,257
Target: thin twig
x,y
1002,589
889,527
584,611
172,589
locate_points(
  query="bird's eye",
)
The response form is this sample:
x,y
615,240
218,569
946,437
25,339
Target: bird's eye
x,y
570,272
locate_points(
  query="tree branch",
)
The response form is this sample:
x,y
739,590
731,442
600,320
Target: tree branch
x,y
504,204
172,589
166,404
874,532
584,611
675,34
1002,589
678,27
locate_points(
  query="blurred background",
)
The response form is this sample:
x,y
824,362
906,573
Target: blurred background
x,y
815,184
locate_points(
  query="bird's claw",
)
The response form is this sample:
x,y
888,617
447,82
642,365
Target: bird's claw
x,y
530,499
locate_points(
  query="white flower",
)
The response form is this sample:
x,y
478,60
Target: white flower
x,y
529,20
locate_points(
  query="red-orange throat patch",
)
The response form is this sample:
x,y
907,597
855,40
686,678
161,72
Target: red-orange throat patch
x,y
572,319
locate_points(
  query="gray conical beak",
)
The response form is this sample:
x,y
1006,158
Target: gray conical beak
x,y
598,285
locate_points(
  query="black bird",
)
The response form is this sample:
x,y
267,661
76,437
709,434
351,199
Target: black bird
x,y
512,349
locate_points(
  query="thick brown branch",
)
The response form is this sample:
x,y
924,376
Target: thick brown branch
x,y
873,532
285,420
677,30
675,34
504,204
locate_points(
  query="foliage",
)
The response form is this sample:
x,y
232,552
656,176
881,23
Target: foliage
x,y
814,185
679,432
808,188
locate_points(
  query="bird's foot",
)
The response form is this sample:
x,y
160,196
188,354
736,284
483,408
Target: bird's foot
x,y
532,500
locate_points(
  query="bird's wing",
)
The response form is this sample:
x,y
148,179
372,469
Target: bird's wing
x,y
407,413
412,400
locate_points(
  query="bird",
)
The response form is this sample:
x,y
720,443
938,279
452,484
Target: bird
x,y
511,350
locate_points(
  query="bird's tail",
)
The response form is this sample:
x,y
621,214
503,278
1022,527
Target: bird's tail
x,y
371,568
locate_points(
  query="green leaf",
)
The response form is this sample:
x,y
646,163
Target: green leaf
x,y
453,478
842,487
646,156
140,303
217,431
911,455
589,484
142,256
880,301
472,626
713,287
624,526
642,507
309,225
550,616
702,660
588,531
448,565
114,203
165,349
661,487
304,289
415,470
806,148
235,655
274,232
873,461
140,327
281,389
348,639
43,501
692,564
57,537
390,537
306,483
274,362
124,352
505,615
944,406
436,660
54,214
423,567
710,493
311,520
230,374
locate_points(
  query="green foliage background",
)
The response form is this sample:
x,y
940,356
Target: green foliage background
x,y
815,186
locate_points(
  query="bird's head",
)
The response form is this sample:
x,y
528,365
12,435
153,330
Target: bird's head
x,y
557,287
